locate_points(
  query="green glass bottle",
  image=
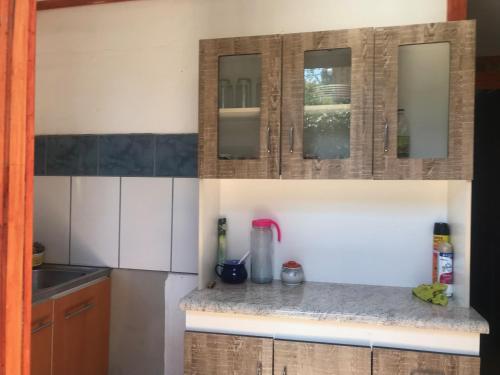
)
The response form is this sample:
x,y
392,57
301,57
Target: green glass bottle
x,y
221,248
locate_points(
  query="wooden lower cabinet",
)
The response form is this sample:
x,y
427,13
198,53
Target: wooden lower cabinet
x,y
81,331
214,354
402,362
42,324
304,358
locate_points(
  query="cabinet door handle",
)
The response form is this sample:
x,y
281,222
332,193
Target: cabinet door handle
x,y
259,368
284,372
82,309
386,137
41,327
427,372
290,139
268,139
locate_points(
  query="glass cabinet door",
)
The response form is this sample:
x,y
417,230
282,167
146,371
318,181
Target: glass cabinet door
x,y
327,109
424,101
240,97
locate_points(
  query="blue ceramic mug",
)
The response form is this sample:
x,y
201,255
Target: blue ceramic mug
x,y
231,272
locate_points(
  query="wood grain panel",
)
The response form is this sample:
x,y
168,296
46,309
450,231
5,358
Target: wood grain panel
x,y
214,354
458,165
16,129
303,358
42,325
267,165
359,163
81,331
400,362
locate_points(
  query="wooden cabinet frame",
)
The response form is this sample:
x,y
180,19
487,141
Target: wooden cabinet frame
x,y
458,165
267,165
402,362
359,164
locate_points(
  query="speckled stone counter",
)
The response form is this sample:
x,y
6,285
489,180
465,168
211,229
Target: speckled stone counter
x,y
387,306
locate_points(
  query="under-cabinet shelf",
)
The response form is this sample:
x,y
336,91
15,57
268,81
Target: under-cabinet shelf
x,y
327,108
248,112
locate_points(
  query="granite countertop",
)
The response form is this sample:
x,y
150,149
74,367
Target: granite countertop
x,y
381,305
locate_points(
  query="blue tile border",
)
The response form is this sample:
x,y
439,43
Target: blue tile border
x,y
177,155
70,155
145,155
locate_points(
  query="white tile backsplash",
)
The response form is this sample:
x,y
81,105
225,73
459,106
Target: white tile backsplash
x,y
146,223
51,216
95,203
185,225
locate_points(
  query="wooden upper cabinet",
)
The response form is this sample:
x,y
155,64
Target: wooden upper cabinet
x,y
81,331
305,358
424,101
327,104
402,362
215,354
42,326
240,107
386,103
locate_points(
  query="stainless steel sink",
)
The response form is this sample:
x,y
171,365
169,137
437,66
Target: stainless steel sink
x,y
46,278
49,280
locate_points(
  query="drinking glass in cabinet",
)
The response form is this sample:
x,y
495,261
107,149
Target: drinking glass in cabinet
x,y
423,100
327,103
239,108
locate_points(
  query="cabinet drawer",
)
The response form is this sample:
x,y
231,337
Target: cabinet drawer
x,y
305,358
214,354
401,362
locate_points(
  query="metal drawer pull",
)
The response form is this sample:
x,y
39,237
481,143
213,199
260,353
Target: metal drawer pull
x,y
427,372
259,368
82,309
290,139
41,327
268,139
386,137
284,372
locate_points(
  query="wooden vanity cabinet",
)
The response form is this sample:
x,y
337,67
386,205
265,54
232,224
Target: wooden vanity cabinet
x,y
424,90
305,358
403,362
81,331
327,104
215,354
42,326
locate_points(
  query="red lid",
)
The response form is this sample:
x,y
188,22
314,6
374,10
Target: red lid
x,y
291,264
267,223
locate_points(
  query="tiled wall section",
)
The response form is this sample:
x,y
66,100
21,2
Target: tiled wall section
x,y
120,222
140,155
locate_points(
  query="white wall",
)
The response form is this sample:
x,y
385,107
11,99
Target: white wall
x,y
132,67
366,232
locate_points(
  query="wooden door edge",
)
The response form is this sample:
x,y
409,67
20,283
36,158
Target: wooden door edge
x,y
16,182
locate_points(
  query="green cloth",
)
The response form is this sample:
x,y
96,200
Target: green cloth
x,y
433,293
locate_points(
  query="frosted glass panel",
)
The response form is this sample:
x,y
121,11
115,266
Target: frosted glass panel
x,y
327,104
239,106
423,97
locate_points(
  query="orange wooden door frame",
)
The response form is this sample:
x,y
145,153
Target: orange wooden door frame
x,y
17,52
457,10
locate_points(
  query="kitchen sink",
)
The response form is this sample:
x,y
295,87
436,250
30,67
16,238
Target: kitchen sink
x,y
49,280
46,278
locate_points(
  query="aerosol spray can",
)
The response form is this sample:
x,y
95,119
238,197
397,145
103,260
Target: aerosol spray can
x,y
441,234
445,266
